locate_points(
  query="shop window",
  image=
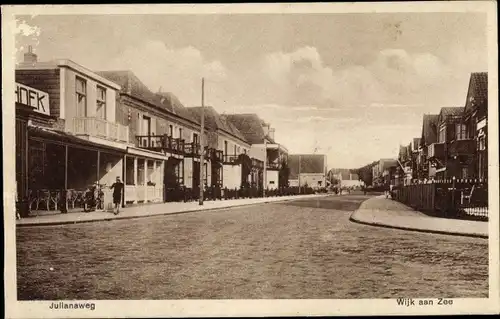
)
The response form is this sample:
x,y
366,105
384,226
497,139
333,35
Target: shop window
x,y
129,171
140,172
151,173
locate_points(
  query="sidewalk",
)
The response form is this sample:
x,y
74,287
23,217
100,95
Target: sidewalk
x,y
151,210
379,211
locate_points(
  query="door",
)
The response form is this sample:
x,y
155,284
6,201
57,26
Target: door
x,y
196,175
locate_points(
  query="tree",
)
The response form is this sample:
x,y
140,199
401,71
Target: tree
x,y
284,174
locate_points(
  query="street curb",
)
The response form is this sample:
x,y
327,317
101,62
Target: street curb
x,y
58,223
432,231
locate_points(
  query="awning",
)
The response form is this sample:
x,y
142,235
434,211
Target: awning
x,y
51,135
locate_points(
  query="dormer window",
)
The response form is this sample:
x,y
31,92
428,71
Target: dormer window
x,y
442,134
101,103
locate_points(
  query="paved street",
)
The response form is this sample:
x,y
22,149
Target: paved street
x,y
300,249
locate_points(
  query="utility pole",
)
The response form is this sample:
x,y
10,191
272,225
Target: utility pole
x,y
202,143
299,175
264,182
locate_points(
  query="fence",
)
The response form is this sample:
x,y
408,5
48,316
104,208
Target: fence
x,y
217,193
455,198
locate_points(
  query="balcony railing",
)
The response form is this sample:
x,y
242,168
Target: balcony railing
x,y
215,155
230,159
93,126
192,149
257,163
273,165
160,143
462,147
436,150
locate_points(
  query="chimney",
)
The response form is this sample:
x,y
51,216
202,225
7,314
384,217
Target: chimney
x,y
271,133
30,57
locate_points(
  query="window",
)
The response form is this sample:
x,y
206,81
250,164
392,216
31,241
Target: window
x,y
482,143
81,97
464,172
225,147
442,134
129,170
171,131
180,133
235,150
195,138
461,131
101,103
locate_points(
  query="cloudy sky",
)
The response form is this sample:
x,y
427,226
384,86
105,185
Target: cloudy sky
x,y
352,86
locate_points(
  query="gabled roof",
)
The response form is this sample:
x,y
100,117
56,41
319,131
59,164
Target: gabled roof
x,y
451,111
447,112
386,163
478,90
429,129
308,164
134,87
215,121
250,125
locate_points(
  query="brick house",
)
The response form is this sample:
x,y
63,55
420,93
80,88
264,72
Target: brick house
x,y
231,172
453,152
165,153
475,119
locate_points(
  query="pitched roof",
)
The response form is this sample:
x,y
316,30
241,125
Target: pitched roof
x,y
451,111
214,121
133,86
306,164
429,129
250,126
478,89
386,163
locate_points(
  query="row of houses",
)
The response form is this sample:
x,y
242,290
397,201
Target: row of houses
x,y
453,143
76,127
345,178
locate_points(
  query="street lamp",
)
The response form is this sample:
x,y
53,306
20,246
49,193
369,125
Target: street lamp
x,y
202,146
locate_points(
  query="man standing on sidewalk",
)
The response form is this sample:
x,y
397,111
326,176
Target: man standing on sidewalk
x,y
117,194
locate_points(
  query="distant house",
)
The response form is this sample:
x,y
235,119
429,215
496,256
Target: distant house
x,y
350,180
307,169
263,147
384,172
425,168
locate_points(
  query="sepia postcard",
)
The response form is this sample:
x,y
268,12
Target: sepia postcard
x,y
250,160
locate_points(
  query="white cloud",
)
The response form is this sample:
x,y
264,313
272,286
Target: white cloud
x,y
25,35
174,70
24,29
357,114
